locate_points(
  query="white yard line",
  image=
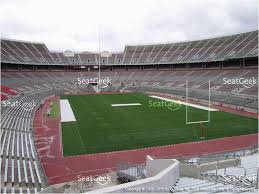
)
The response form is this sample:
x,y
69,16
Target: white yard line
x,y
186,103
130,104
67,114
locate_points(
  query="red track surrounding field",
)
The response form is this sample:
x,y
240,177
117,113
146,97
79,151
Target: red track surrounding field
x,y
47,135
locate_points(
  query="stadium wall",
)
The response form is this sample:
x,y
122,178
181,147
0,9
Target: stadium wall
x,y
195,170
160,172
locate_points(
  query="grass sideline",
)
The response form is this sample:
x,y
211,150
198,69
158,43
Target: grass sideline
x,y
103,128
54,112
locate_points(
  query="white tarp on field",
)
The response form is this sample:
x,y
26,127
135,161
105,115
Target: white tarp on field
x,y
186,103
129,104
67,114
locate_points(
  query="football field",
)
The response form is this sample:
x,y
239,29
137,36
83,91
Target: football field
x,y
113,122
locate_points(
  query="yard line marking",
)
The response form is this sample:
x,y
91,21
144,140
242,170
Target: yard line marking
x,y
185,103
80,138
130,104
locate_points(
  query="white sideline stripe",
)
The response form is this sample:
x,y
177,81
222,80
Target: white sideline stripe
x,y
185,103
130,104
67,114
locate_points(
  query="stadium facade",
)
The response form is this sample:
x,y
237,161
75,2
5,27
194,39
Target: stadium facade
x,y
239,50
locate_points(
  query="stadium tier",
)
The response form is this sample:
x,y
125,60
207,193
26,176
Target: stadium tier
x,y
172,82
20,168
236,46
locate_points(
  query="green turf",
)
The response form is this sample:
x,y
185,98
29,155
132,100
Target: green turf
x,y
54,112
103,128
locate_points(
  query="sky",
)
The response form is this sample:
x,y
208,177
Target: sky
x,y
76,24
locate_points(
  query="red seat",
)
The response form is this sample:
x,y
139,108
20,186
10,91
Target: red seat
x,y
3,97
7,90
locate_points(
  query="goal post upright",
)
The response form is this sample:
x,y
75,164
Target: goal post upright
x,y
99,64
209,103
186,100
186,107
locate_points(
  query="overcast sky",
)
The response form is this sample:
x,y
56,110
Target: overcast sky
x,y
74,24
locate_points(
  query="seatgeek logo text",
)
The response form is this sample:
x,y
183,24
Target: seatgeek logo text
x,y
246,82
101,180
27,106
103,82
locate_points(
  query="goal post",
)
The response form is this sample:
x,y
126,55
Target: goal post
x,y
203,131
187,109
